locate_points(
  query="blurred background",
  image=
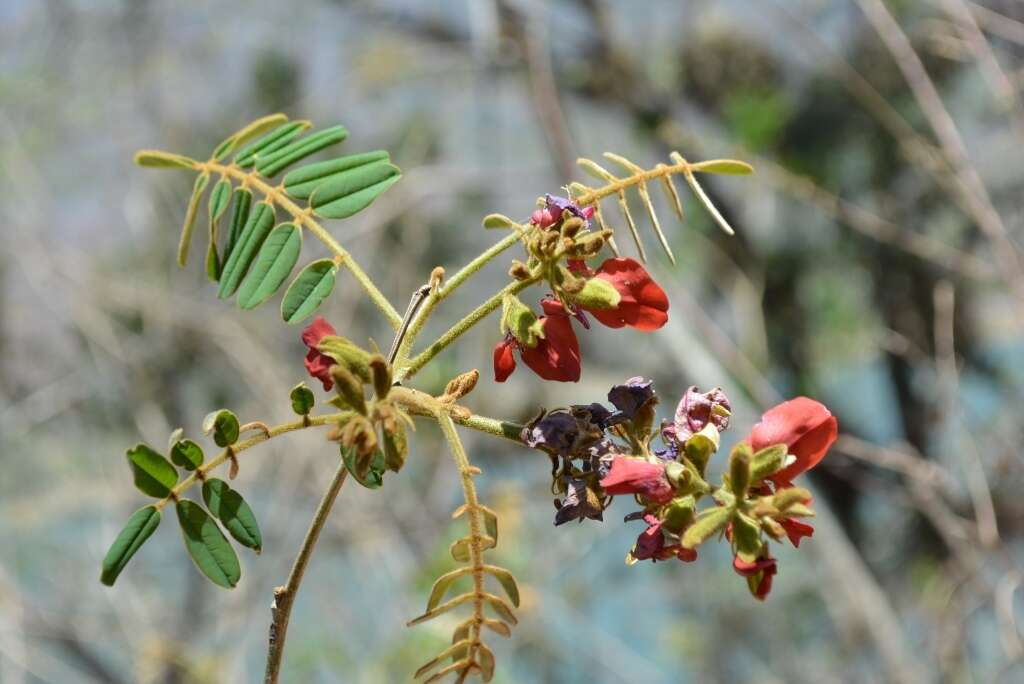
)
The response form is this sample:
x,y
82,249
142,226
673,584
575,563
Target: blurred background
x,y
877,266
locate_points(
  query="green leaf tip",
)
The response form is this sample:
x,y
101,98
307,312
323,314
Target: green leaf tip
x,y
158,159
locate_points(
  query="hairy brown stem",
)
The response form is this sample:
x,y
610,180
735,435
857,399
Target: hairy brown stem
x,y
284,597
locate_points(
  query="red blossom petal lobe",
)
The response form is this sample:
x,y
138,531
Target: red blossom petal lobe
x,y
806,426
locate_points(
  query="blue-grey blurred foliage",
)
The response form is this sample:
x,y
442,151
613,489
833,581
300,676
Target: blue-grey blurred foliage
x,y
844,237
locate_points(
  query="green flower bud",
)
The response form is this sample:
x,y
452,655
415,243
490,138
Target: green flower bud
x,y
739,470
381,374
519,319
347,354
598,293
679,514
350,389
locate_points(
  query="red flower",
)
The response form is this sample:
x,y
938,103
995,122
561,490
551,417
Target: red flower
x,y
796,530
651,541
638,476
803,425
318,364
759,574
643,306
555,357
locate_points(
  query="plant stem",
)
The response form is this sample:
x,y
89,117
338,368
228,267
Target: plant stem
x,y
422,404
304,217
453,333
476,552
435,298
284,597
238,447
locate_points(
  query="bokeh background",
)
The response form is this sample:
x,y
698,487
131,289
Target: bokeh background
x,y
877,266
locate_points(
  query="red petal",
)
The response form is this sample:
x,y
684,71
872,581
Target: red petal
x,y
504,360
644,305
637,476
319,366
557,355
806,426
316,331
796,530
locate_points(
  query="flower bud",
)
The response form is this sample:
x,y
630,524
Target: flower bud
x,y
462,385
598,294
381,373
519,270
396,448
571,227
679,514
519,319
350,389
739,470
767,462
347,354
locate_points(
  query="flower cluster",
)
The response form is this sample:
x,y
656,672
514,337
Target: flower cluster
x,y
598,454
373,439
620,292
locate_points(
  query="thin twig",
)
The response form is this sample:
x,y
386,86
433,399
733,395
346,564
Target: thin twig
x,y
284,597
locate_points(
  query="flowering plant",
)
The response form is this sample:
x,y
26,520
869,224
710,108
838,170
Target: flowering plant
x,y
598,453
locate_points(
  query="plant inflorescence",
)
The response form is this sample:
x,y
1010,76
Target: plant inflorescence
x,y
261,202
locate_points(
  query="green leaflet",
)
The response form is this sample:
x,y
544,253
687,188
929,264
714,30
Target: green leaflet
x,y
443,584
241,203
158,159
276,259
309,289
351,191
190,217
130,539
729,167
270,143
223,425
231,509
269,165
220,198
302,399
261,220
301,182
153,474
207,545
506,580
186,454
256,128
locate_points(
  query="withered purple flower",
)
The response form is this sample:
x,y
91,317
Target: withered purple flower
x,y
566,432
556,205
580,503
696,410
632,396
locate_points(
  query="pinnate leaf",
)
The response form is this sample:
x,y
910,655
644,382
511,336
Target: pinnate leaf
x,y
276,259
223,425
186,454
190,217
270,143
253,130
228,506
301,182
302,399
261,220
269,165
158,159
130,539
310,288
346,193
153,474
207,546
